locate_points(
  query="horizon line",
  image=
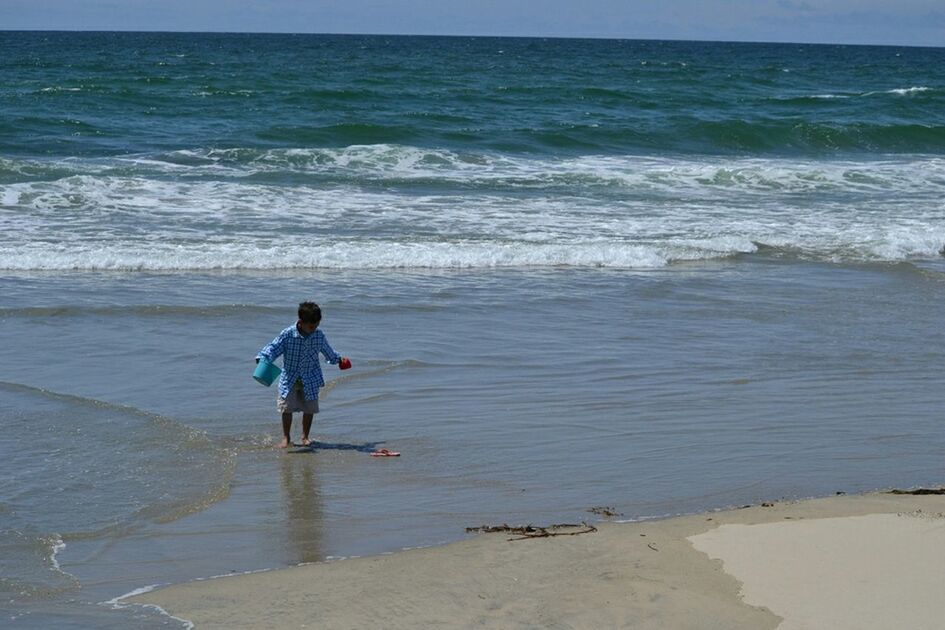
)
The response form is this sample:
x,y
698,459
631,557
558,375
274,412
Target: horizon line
x,y
466,36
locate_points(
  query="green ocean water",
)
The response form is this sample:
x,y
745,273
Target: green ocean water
x,y
660,276
106,94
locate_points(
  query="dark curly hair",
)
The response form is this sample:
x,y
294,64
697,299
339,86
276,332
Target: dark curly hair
x,y
310,313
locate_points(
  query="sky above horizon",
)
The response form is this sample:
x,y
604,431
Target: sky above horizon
x,y
906,22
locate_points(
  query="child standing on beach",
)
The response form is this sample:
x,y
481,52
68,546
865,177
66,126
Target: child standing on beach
x,y
301,378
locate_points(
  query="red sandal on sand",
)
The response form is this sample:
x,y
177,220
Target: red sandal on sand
x,y
383,452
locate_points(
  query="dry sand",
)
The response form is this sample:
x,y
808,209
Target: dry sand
x,y
845,573
872,561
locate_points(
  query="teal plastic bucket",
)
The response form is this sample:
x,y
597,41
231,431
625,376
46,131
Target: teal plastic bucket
x,y
266,372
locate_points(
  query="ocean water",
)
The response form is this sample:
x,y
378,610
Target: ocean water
x,y
662,277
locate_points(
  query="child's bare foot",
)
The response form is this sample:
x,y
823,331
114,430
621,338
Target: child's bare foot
x,y
285,443
305,441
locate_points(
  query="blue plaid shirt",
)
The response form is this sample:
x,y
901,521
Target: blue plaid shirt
x,y
300,360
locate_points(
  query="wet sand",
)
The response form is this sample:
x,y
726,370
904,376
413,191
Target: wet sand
x,y
871,561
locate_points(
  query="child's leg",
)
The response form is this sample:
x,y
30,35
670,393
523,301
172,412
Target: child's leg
x,y
286,430
306,427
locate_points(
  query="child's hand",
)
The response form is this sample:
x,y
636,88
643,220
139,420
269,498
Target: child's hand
x,y
345,363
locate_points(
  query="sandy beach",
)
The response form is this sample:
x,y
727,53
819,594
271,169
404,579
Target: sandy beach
x,y
870,561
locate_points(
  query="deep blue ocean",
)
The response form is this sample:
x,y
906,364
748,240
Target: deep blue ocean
x,y
661,277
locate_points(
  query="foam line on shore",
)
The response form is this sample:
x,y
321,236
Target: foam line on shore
x,y
117,602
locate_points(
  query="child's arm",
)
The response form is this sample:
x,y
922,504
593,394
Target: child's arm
x,y
330,355
274,350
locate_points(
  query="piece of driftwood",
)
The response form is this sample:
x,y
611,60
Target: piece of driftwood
x,y
604,511
532,531
919,491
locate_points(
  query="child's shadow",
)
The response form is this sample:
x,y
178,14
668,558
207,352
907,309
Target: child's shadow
x,y
315,445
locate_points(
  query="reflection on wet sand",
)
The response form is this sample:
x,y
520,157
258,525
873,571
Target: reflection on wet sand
x,y
303,509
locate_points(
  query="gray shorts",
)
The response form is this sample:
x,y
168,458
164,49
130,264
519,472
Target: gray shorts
x,y
296,402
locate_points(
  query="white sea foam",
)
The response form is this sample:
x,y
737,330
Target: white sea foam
x,y
138,591
118,603
349,256
911,90
385,164
394,162
58,545
851,244
470,211
900,91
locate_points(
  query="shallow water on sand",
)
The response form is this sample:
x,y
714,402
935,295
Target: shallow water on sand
x,y
137,439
